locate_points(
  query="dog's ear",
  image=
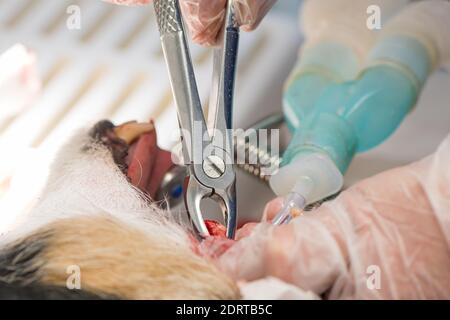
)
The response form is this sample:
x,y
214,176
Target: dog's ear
x,y
38,291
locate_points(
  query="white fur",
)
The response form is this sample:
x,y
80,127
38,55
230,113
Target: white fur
x,y
86,181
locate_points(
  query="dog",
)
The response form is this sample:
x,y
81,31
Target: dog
x,y
95,233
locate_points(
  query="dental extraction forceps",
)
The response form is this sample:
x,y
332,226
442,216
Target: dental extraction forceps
x,y
207,154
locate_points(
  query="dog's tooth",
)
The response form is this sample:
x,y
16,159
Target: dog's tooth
x,y
130,131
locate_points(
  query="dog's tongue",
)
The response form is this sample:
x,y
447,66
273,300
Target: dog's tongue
x,y
147,163
162,164
141,158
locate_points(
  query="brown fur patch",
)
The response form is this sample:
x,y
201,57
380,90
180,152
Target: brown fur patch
x,y
119,260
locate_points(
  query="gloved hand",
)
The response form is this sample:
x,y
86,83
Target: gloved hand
x,y
204,18
387,237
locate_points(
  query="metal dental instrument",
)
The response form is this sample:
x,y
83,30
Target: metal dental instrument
x,y
207,154
169,192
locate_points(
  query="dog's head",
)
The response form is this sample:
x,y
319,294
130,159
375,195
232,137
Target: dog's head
x,y
95,228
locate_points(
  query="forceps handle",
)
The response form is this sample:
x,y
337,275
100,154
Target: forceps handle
x,y
225,62
168,16
182,77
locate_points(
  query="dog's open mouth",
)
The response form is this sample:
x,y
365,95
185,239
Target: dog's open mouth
x,y
135,150
147,163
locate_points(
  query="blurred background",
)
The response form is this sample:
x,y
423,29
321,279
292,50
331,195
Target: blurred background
x,y
96,60
111,66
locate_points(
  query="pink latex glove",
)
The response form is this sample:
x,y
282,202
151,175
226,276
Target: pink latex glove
x,y
387,237
204,18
